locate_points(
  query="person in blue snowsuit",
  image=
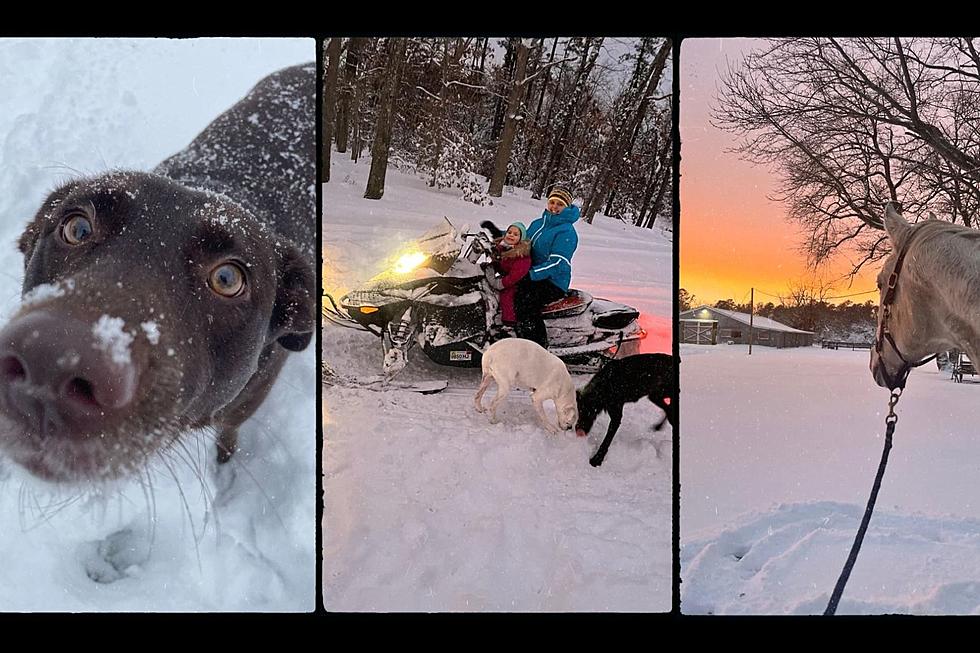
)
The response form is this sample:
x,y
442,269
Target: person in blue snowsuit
x,y
553,242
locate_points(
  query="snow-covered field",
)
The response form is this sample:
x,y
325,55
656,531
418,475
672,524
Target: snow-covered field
x,y
428,507
779,453
240,540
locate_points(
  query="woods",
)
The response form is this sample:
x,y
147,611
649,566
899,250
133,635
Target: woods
x,y
478,114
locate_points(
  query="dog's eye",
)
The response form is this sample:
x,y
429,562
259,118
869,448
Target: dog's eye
x,y
76,229
227,280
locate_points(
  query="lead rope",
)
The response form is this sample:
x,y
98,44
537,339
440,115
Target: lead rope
x,y
845,573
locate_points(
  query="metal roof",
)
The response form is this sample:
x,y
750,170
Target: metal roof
x,y
758,321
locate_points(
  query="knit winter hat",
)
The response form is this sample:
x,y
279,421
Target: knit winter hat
x,y
561,194
520,227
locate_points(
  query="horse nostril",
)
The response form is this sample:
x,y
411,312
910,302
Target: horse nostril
x,y
12,369
81,391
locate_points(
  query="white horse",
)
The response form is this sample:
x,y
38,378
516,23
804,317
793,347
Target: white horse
x,y
929,296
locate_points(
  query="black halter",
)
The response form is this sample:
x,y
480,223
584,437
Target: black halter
x,y
897,381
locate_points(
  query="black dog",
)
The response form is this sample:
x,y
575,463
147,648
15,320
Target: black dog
x,y
495,231
622,381
161,302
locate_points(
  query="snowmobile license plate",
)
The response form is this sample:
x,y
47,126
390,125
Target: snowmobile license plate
x,y
465,355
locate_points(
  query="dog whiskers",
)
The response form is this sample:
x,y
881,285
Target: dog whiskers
x,y
194,464
197,537
268,433
149,497
239,465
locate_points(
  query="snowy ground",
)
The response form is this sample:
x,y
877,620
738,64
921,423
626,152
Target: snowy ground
x,y
428,507
779,453
81,107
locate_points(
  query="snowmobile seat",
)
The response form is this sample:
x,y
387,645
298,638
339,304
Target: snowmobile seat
x,y
573,303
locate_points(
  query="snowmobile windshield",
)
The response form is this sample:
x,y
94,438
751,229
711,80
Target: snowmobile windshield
x,y
431,254
441,245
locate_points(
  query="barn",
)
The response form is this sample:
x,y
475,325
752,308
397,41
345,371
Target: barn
x,y
707,325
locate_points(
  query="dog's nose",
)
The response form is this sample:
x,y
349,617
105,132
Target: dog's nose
x,y
65,375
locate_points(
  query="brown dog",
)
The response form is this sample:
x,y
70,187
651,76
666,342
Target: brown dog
x,y
160,302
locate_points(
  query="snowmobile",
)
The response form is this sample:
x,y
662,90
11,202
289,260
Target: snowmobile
x,y
436,295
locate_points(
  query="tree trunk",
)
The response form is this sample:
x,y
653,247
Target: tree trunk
x,y
498,107
609,202
625,134
439,114
659,182
641,218
589,56
329,106
483,54
649,187
439,124
665,179
514,103
545,137
533,66
381,144
357,144
531,131
581,145
547,78
347,92
479,79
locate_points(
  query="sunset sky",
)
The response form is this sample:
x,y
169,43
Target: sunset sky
x,y
732,236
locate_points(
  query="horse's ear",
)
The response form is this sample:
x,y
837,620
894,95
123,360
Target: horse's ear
x,y
895,225
932,216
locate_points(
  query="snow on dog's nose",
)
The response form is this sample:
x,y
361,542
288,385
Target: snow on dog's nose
x,y
65,376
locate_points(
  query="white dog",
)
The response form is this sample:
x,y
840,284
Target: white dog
x,y
514,362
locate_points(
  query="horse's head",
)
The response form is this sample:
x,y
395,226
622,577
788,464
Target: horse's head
x,y
906,330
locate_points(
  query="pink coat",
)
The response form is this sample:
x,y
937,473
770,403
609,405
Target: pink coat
x,y
514,264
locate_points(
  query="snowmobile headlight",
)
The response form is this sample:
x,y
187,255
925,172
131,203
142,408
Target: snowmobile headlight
x,y
369,309
408,262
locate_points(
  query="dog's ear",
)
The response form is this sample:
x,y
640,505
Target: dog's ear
x,y
293,317
27,241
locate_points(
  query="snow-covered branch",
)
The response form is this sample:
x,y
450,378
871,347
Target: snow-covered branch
x,y
546,67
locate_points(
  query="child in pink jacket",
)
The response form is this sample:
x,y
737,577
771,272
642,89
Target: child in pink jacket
x,y
512,259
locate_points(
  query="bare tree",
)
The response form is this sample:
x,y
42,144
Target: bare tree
x,y
849,124
545,127
381,144
625,132
346,93
590,48
659,182
435,111
329,105
546,67
507,70
685,300
809,298
511,119
439,119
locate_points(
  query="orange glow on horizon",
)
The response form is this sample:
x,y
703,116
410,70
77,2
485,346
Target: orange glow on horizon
x,y
732,236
